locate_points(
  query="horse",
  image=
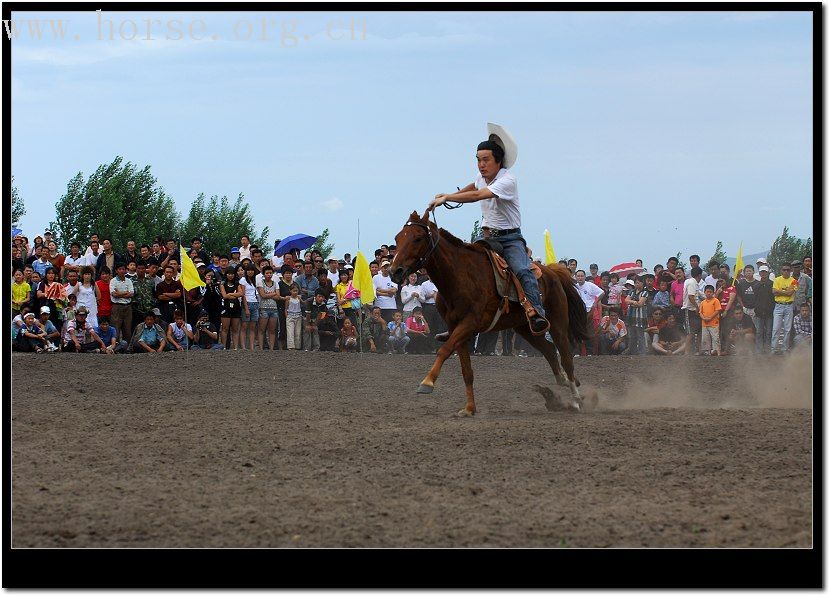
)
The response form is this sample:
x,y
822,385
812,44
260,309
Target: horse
x,y
468,302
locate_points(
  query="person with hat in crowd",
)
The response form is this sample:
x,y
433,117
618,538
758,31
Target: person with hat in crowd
x,y
31,337
762,261
149,336
385,292
236,259
764,308
496,190
45,324
80,336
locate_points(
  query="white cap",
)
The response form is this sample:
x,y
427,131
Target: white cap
x,y
763,268
45,309
385,263
761,260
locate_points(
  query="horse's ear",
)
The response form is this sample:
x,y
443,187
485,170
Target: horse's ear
x,y
425,216
413,216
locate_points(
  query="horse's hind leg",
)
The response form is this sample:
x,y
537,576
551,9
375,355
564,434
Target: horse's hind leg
x,y
467,371
547,349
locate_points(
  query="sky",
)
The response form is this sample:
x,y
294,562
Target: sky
x,y
640,134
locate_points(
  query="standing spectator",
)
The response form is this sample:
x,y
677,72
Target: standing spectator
x,y
746,293
594,277
714,274
758,263
671,339
615,290
232,294
56,258
709,312
250,308
691,307
344,305
804,291
764,309
307,282
411,295
431,314
294,318
694,261
269,314
397,339
662,299
638,338
803,327
105,299
89,294
327,331
52,293
106,259
21,292
317,310
808,266
612,333
385,291
121,292
244,247
285,292
658,275
130,255
212,302
572,265
783,289
169,293
235,258
418,330
144,296
42,263
671,265
148,337
332,272
727,294
591,295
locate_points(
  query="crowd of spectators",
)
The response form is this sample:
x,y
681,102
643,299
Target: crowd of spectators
x,y
102,300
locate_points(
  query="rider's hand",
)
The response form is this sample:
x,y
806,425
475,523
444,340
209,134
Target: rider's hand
x,y
439,200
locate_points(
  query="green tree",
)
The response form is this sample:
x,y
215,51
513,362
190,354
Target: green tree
x,y
719,256
476,233
119,202
681,264
221,224
788,248
18,208
322,244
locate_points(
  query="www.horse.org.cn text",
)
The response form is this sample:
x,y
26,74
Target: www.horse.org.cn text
x,y
284,31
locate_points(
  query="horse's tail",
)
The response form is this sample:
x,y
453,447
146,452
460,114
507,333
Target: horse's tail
x,y
577,317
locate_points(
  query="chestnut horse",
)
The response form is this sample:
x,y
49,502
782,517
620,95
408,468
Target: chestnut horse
x,y
468,301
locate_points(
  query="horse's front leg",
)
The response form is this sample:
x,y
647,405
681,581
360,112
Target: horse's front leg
x,y
460,334
467,372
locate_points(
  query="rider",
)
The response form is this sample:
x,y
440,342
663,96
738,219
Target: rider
x,y
496,188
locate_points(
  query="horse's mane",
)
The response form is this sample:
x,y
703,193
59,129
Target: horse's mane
x,y
445,235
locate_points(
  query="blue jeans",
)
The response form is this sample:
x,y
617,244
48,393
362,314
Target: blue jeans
x,y
515,253
782,315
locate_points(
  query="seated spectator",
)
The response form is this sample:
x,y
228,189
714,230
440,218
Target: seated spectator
x,y
397,338
32,337
670,339
179,333
206,336
803,326
81,337
418,330
109,335
53,333
655,324
348,337
148,336
612,333
376,331
741,336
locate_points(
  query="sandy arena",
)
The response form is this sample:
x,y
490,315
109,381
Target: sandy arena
x,y
337,450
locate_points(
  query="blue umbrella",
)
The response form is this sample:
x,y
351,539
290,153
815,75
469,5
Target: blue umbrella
x,y
297,241
16,231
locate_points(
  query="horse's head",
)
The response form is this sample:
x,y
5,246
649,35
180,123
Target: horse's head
x,y
415,242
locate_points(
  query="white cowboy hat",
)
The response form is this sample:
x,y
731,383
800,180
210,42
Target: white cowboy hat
x,y
504,139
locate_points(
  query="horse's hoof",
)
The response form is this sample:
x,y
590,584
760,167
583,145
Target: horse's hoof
x,y
424,388
442,336
464,413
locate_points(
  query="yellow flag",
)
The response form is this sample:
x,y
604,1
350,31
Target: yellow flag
x,y
363,279
189,277
550,256
739,263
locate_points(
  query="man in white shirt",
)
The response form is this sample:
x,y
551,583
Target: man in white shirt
x,y
244,247
691,304
714,275
430,292
385,291
497,191
333,274
591,295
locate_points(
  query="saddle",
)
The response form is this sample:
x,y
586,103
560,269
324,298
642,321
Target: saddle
x,y
508,285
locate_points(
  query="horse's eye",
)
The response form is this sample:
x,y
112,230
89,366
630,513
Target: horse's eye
x,y
419,239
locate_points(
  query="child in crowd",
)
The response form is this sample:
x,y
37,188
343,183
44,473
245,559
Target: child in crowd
x,y
294,318
398,339
348,336
709,311
612,338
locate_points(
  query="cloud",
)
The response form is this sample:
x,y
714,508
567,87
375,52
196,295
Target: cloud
x,y
333,204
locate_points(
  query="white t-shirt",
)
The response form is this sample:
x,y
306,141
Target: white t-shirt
x,y
92,259
590,293
334,277
178,333
409,301
276,262
384,283
244,252
429,292
710,281
691,288
79,262
502,211
250,291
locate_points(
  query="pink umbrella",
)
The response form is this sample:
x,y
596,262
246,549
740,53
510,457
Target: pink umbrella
x,y
624,269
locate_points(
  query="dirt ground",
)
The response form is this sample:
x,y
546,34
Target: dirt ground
x,y
281,449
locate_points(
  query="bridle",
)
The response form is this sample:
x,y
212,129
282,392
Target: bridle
x,y
433,244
